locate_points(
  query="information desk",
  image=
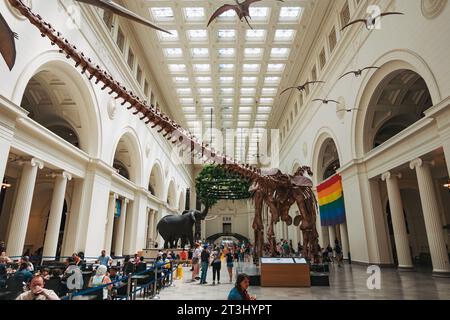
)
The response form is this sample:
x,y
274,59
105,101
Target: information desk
x,y
285,272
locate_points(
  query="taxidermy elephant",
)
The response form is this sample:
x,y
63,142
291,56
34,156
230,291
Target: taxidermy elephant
x,y
173,227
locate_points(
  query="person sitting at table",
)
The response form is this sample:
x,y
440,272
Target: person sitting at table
x,y
128,266
104,260
99,279
72,277
5,257
114,276
26,259
45,273
239,292
23,274
140,266
55,283
3,272
37,291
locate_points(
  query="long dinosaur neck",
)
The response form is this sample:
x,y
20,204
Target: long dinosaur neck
x,y
147,113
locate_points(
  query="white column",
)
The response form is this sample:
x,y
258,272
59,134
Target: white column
x,y
433,224
332,232
344,239
110,222
398,221
286,230
118,250
21,214
203,231
151,225
54,219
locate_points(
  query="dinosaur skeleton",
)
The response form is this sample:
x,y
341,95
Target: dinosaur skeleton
x,y
278,191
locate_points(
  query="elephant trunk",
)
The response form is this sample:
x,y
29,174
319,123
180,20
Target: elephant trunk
x,y
205,211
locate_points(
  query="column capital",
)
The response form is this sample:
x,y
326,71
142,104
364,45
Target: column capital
x,y
34,162
65,175
126,201
389,175
114,195
419,163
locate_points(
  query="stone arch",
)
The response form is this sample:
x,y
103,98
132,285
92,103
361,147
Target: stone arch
x,y
391,63
156,180
324,139
127,156
73,115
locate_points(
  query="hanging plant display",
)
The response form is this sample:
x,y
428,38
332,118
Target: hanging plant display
x,y
215,183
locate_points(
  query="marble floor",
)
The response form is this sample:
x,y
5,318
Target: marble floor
x,y
347,283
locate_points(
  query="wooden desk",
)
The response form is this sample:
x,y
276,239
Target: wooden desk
x,y
281,275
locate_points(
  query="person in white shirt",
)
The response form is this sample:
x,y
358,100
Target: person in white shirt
x,y
37,291
196,261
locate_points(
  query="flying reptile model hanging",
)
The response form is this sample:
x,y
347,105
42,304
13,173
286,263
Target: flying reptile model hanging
x,y
277,190
357,73
371,21
242,10
8,37
301,87
326,101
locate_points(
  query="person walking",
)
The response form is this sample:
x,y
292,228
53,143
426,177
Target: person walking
x,y
216,265
230,265
204,257
196,262
338,251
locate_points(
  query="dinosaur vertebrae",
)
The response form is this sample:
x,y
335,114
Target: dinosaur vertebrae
x,y
148,113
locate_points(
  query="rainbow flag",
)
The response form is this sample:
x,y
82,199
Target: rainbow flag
x,y
331,202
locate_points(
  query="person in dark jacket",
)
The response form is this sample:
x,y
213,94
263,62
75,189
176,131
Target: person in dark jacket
x,y
204,257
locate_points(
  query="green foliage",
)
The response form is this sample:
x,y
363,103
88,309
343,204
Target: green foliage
x,y
215,183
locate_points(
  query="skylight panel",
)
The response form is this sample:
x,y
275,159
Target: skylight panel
x,y
203,79
226,79
226,91
184,91
202,67
189,109
248,91
259,13
272,80
181,80
254,67
207,101
260,124
168,37
269,91
194,14
226,67
245,117
256,35
279,52
162,14
275,67
249,80
197,35
243,124
262,117
245,110
226,52
173,52
284,35
190,117
264,109
266,101
227,100
187,101
246,100
228,14
177,67
205,91
226,34
200,52
290,13
253,52
227,116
